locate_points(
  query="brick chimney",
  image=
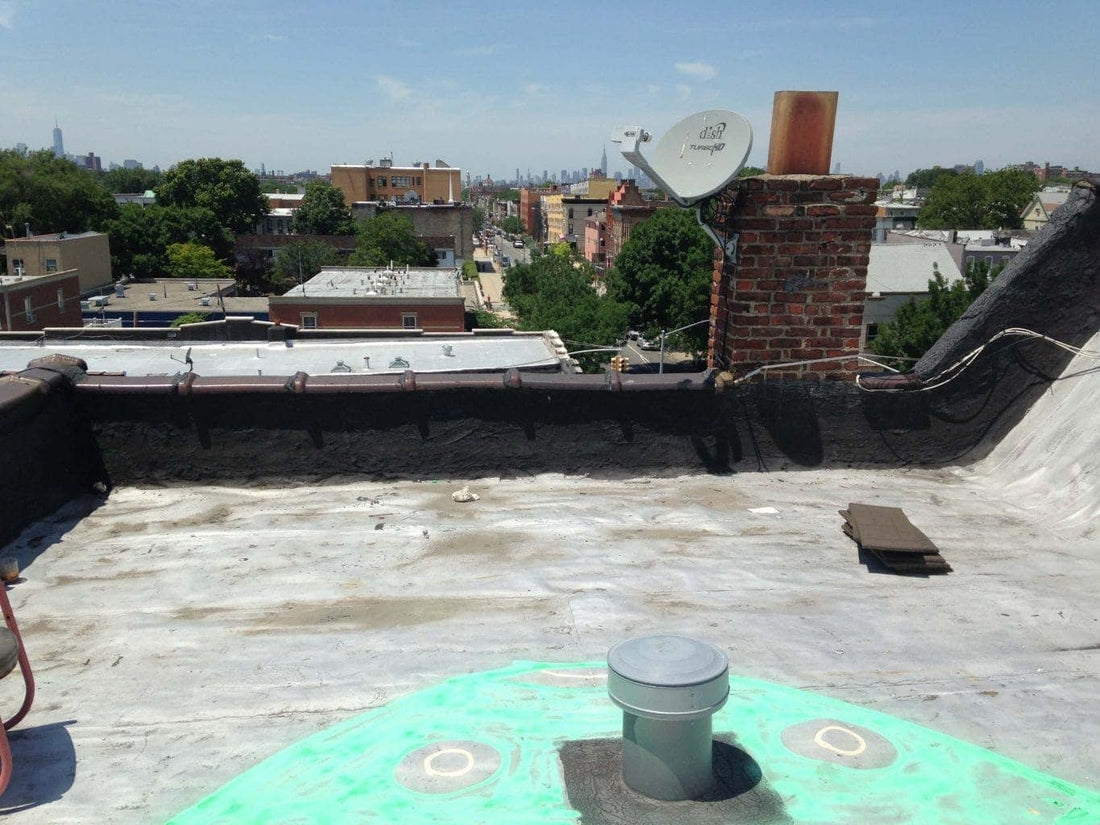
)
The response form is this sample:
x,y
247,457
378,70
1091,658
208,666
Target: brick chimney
x,y
797,289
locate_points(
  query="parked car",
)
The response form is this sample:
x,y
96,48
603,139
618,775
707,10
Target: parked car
x,y
518,244
646,343
505,261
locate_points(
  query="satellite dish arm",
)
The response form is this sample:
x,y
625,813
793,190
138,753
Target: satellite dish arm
x,y
630,140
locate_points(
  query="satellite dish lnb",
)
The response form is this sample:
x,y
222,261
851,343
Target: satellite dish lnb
x,y
696,158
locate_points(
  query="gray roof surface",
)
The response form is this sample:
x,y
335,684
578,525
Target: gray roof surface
x,y
908,267
174,295
383,282
468,352
184,633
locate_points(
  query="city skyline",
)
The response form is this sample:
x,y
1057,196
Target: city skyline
x,y
496,87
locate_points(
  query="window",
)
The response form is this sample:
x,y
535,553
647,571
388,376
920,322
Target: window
x,y
419,181
408,320
60,299
570,211
969,260
51,264
28,309
872,332
17,266
309,320
589,213
381,182
401,180
989,260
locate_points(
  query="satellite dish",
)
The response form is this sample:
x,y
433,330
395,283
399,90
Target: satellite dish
x,y
696,157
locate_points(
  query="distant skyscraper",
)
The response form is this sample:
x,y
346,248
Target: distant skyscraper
x,y
979,168
58,143
603,162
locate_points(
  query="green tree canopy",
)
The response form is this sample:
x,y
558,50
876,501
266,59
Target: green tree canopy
x,y
131,180
664,273
508,195
189,318
323,211
991,201
193,260
556,292
512,225
301,260
225,187
927,178
50,195
389,236
479,218
140,236
919,324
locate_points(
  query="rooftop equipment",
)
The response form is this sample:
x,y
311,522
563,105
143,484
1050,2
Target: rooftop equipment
x,y
669,687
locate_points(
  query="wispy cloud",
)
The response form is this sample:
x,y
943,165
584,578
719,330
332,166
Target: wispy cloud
x,y
394,89
7,13
270,38
703,71
475,51
532,89
683,91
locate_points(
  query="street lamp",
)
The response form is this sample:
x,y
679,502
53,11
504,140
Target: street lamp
x,y
661,366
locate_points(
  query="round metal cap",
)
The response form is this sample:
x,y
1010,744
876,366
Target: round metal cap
x,y
668,677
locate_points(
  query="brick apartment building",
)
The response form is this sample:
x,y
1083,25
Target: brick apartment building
x,y
375,298
36,303
407,184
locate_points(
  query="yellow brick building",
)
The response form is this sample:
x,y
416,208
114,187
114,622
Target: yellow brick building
x,y
408,184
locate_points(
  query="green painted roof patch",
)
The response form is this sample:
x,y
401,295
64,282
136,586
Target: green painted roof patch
x,y
484,748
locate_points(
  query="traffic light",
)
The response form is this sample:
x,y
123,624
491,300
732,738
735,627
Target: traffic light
x,y
620,363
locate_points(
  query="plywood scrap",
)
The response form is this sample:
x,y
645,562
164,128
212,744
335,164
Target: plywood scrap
x,y
887,533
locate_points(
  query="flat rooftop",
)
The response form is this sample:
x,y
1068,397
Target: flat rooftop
x,y
181,295
365,356
183,634
381,282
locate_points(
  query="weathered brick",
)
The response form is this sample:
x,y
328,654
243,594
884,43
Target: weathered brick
x,y
822,209
779,211
826,183
860,209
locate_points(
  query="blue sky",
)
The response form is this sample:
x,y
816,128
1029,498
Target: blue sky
x,y
492,86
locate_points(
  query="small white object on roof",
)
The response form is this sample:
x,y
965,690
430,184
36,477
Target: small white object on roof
x,y
464,495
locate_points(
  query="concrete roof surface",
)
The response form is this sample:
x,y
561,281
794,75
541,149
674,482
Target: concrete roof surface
x,y
288,357
182,634
173,295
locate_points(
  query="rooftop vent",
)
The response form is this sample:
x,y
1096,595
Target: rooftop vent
x,y
669,687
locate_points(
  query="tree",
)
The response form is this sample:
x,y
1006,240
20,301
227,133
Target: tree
x,y
751,172
193,260
664,273
512,225
49,194
131,180
511,195
323,211
990,201
927,178
919,324
224,187
140,236
479,218
301,260
389,237
189,318
556,292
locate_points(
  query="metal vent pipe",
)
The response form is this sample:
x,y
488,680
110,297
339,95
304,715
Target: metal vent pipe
x,y
669,687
